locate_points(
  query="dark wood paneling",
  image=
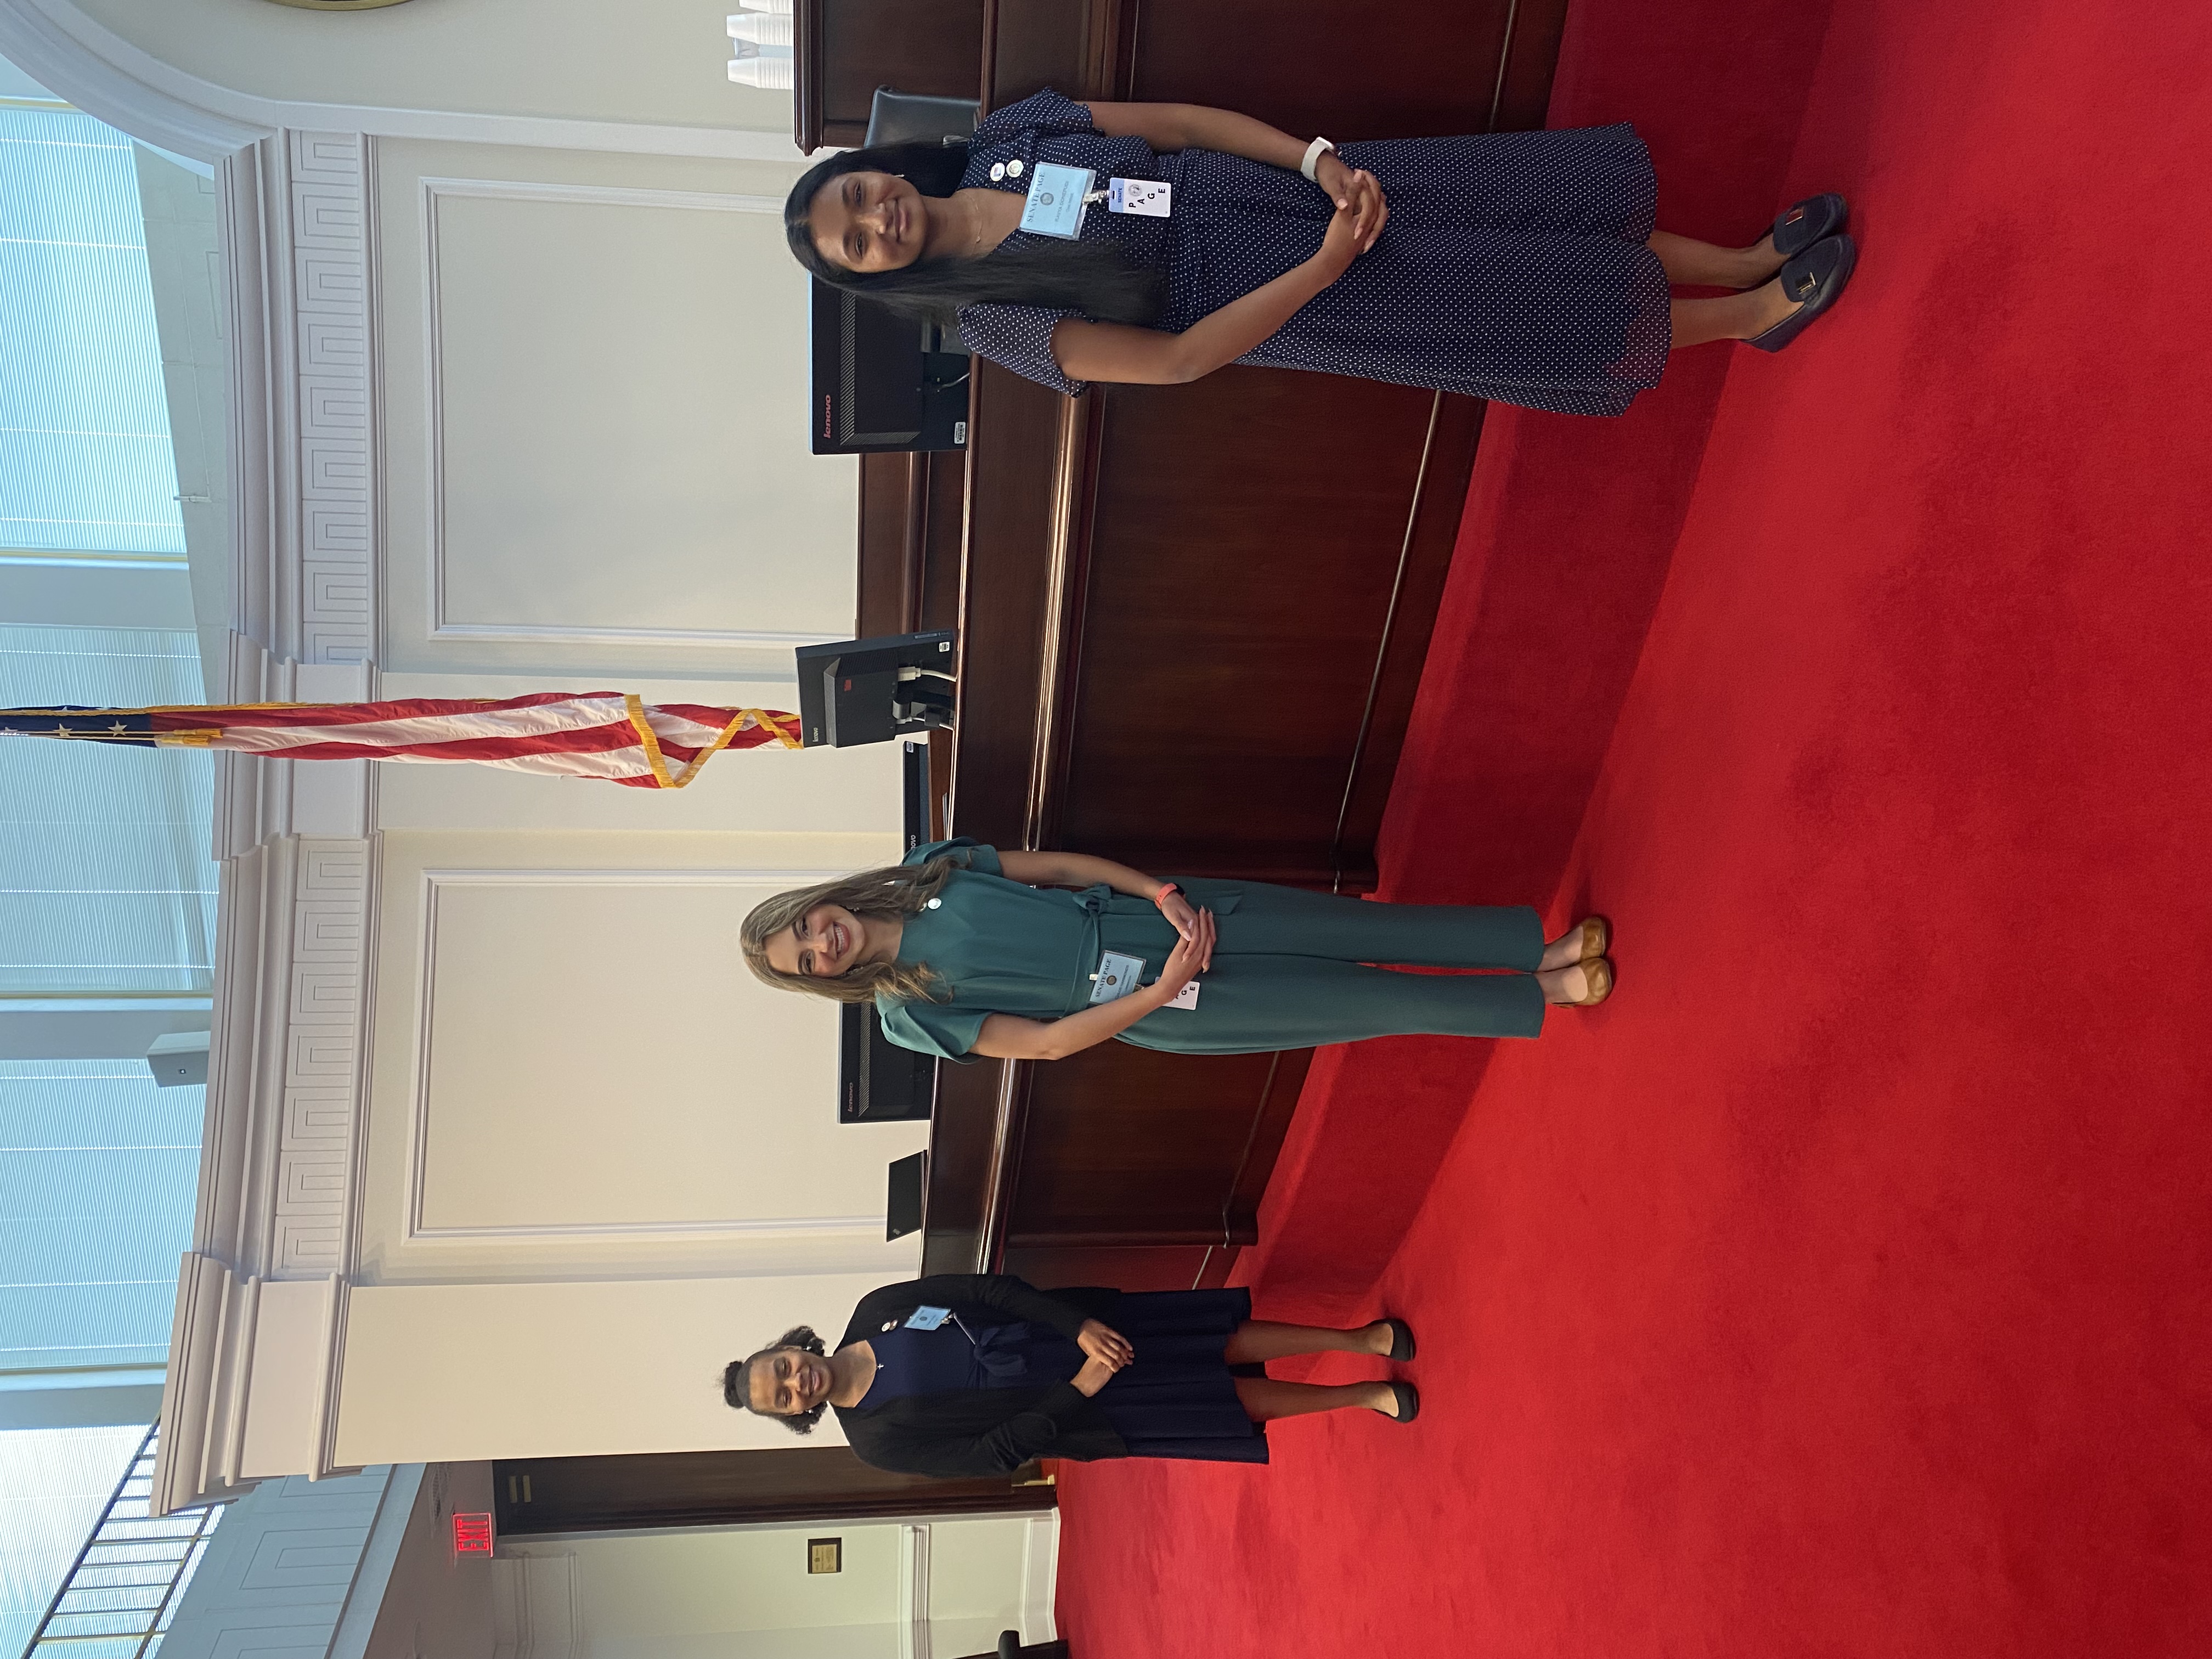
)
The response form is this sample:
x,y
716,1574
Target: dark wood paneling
x,y
1311,66
1233,634
1447,461
1077,45
848,48
1193,622
1117,1146
685,1489
963,1146
887,487
1130,1267
1007,578
1524,86
1304,65
1124,1145
1271,1121
913,510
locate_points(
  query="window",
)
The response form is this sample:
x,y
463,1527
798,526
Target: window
x,y
107,887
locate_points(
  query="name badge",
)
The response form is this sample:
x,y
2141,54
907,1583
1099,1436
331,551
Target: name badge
x,y
1117,975
926,1318
1186,997
1056,199
1137,196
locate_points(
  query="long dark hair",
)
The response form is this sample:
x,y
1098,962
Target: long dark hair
x,y
1092,278
737,1380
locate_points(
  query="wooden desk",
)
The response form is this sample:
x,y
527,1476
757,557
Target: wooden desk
x,y
845,49
1193,620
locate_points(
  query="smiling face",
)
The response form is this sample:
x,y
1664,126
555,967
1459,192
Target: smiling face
x,y
785,1381
822,944
868,221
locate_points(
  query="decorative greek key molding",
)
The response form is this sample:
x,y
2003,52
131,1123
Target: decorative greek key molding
x,y
328,179
287,1072
320,1086
287,1079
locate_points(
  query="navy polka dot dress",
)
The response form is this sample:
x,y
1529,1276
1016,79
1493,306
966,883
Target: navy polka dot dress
x,y
1513,268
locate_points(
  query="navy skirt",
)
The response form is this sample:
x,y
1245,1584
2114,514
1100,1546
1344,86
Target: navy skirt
x,y
1177,1399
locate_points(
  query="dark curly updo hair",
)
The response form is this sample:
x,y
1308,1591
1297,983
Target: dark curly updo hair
x,y
737,1380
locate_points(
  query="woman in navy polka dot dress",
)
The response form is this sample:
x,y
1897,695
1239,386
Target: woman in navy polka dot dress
x,y
1520,267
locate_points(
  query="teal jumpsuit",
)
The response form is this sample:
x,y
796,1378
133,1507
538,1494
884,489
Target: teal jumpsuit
x,y
1286,970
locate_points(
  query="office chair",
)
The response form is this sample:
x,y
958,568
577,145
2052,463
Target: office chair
x,y
904,118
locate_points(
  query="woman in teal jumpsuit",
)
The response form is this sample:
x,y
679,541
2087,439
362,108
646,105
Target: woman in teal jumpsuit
x,y
967,952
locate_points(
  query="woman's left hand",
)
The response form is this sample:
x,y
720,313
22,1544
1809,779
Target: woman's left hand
x,y
1103,1343
1355,190
1181,915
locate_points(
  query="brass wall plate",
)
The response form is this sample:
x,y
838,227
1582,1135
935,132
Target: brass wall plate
x,y
825,1555
339,5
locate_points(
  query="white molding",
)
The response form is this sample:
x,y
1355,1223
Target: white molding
x,y
580,634
297,249
114,81
1041,1577
259,797
248,1303
418,1114
432,191
372,1578
287,1081
95,67
329,268
297,1568
913,1604
533,190
527,1589
671,877
325,1425
324,1043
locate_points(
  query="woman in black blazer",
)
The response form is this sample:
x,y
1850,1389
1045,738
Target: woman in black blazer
x,y
976,1375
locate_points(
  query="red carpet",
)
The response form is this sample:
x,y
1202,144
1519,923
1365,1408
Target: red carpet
x,y
1841,1288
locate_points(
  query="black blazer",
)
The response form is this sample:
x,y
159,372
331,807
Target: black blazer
x,y
972,1431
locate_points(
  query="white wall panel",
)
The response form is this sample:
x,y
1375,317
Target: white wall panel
x,y
292,1320
596,449
282,1569
445,1372
573,1073
945,1587
593,1057
645,60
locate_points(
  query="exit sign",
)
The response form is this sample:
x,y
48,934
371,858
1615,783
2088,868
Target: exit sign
x,y
472,1534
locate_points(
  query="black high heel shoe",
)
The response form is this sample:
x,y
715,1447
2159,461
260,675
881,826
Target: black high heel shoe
x,y
1408,1399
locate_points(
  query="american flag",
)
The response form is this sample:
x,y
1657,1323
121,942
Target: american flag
x,y
591,734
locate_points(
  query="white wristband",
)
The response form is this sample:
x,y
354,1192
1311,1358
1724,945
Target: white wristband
x,y
1313,158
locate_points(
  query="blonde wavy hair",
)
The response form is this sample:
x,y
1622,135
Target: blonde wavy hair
x,y
900,891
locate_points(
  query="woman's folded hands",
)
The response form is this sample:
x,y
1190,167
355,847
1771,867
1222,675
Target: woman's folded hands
x,y
1105,1352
